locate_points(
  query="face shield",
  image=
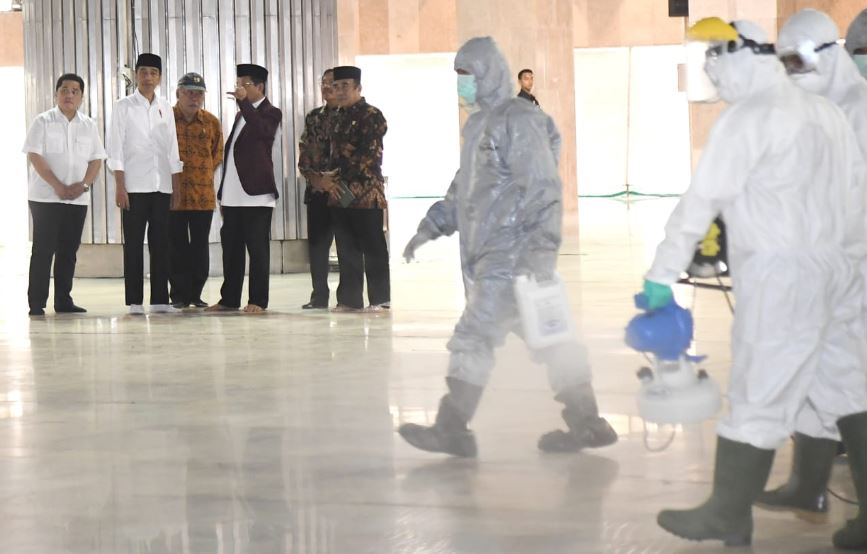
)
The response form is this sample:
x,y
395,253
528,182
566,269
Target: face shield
x,y
708,41
804,58
703,64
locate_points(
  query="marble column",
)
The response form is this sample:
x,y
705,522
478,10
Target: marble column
x,y
536,34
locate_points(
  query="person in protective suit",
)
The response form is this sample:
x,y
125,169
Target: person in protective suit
x,y
808,48
856,42
506,203
779,167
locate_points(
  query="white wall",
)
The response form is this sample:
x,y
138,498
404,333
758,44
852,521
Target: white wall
x,y
417,94
632,122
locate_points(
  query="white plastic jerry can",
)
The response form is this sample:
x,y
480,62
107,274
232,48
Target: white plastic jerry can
x,y
544,308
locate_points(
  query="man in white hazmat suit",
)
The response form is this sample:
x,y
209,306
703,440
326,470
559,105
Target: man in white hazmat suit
x,y
779,166
505,201
808,48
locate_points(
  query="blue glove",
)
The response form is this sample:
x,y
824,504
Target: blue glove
x,y
658,296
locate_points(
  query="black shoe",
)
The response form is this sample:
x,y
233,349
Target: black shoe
x,y
179,305
199,303
853,429
459,443
586,428
739,476
69,309
805,492
36,311
314,306
449,434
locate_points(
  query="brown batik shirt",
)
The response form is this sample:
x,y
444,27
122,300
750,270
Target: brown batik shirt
x,y
315,145
356,153
200,143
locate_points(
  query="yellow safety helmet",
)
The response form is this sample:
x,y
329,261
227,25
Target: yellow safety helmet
x,y
712,29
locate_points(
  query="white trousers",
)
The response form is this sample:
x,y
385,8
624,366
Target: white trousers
x,y
798,349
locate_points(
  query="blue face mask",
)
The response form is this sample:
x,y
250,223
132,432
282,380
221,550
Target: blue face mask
x,y
861,62
467,89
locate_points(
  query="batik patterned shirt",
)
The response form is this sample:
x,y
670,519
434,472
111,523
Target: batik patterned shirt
x,y
356,153
315,145
200,143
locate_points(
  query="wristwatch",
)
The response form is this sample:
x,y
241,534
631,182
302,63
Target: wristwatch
x,y
86,187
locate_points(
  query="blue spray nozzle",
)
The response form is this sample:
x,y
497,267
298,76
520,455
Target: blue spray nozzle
x,y
665,332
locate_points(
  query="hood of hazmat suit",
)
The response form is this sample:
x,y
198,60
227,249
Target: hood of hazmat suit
x,y
856,36
835,74
506,199
778,166
736,70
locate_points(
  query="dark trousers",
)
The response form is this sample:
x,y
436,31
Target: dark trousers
x,y
148,211
361,250
56,235
320,235
188,247
245,229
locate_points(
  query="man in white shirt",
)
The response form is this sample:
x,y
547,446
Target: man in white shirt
x,y
248,193
143,154
65,152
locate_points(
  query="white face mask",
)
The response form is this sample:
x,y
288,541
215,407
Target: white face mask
x,y
467,89
861,62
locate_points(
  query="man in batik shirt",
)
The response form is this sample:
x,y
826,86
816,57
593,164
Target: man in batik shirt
x,y
314,160
357,196
200,144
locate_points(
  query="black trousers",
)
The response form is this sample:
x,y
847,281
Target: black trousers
x,y
320,235
245,229
148,211
189,258
56,235
361,250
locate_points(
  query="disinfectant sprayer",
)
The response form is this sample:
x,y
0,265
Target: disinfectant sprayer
x,y
672,390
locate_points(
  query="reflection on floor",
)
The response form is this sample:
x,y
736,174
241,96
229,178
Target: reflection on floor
x,y
275,433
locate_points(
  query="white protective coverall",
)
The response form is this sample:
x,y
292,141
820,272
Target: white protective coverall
x,y
506,203
779,167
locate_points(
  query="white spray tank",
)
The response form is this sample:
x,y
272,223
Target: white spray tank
x,y
672,390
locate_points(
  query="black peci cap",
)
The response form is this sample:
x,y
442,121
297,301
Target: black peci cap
x,y
252,70
149,60
347,72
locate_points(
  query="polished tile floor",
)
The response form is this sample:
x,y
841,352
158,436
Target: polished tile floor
x,y
274,434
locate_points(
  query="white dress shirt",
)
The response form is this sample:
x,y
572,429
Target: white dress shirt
x,y
234,194
143,143
67,146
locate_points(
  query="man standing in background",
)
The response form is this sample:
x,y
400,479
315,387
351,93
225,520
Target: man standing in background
x,y
313,162
143,154
200,144
248,193
525,80
65,156
357,197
